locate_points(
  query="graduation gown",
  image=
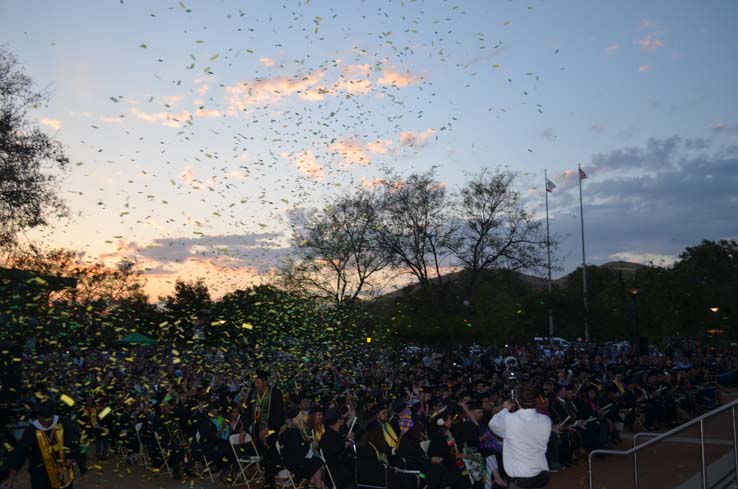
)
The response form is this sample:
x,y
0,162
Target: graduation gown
x,y
28,448
333,446
294,451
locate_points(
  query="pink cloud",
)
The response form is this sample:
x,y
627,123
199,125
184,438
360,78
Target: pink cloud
x,y
650,43
392,77
268,62
612,48
53,123
307,163
643,68
352,152
412,138
270,90
208,113
165,118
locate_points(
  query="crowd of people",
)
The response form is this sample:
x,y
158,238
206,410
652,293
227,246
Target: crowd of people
x,y
382,417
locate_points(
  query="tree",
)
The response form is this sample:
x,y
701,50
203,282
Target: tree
x,y
28,157
188,310
497,231
96,281
338,250
416,225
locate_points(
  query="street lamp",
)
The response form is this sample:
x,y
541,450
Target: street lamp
x,y
714,309
636,326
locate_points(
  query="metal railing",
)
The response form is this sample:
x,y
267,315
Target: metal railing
x,y
657,437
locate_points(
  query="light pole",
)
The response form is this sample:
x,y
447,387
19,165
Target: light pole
x,y
636,326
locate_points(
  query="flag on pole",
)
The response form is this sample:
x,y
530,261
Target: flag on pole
x,y
550,185
582,175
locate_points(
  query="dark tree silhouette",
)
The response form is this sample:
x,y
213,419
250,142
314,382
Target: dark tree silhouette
x,y
29,158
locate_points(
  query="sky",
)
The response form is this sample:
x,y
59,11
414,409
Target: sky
x,y
196,128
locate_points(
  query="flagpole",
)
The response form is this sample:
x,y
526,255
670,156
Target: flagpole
x,y
584,260
548,252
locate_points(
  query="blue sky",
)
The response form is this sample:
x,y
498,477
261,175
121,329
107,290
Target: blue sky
x,y
193,124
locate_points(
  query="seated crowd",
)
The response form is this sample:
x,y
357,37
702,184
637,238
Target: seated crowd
x,y
410,419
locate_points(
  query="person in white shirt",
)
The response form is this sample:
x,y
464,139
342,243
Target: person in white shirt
x,y
525,435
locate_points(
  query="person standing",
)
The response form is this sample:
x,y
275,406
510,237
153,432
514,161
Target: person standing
x,y
265,415
52,445
525,435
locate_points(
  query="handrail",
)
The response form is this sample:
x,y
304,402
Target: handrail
x,y
643,434
636,448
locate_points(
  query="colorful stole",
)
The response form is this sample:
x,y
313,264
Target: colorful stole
x,y
393,441
261,409
53,455
455,452
318,431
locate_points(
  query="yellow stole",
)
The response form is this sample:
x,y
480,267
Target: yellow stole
x,y
53,455
318,432
393,441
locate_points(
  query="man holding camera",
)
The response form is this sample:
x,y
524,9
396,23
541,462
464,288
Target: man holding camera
x,y
525,435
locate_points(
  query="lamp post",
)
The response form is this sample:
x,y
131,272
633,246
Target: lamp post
x,y
636,326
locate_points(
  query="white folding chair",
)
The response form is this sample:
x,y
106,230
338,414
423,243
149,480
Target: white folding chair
x,y
141,455
206,463
284,478
327,471
163,454
245,462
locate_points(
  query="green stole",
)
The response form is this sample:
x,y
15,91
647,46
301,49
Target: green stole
x,y
261,408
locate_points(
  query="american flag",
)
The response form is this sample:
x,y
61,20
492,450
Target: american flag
x,y
582,175
550,185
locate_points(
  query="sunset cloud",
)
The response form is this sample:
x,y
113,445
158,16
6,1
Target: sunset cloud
x,y
307,163
112,119
268,62
208,113
612,48
53,123
269,90
650,43
393,78
172,99
352,152
412,138
164,118
643,68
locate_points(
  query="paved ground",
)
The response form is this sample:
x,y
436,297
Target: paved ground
x,y
663,465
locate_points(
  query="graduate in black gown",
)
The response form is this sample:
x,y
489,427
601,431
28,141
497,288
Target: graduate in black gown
x,y
335,448
265,416
297,451
52,446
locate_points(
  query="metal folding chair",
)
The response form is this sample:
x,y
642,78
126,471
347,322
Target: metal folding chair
x,y
163,454
245,462
284,478
206,463
327,471
142,459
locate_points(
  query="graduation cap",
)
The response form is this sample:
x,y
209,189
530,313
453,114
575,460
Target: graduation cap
x,y
397,406
262,374
331,416
291,412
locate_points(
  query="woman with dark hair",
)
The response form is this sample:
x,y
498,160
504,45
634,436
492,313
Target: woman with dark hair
x,y
443,450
